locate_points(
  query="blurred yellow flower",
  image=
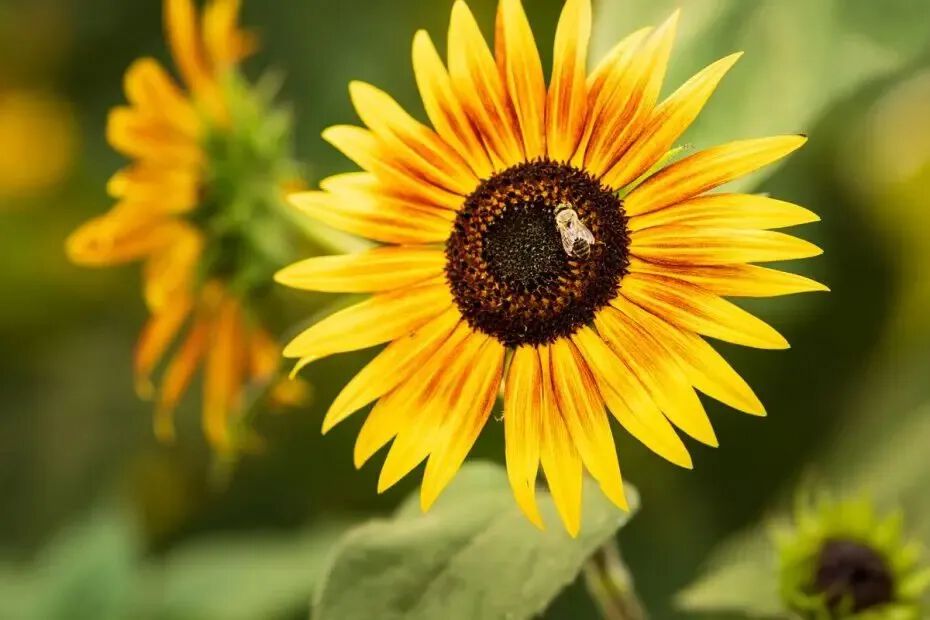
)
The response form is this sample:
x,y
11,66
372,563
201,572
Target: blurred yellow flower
x,y
184,206
38,139
538,236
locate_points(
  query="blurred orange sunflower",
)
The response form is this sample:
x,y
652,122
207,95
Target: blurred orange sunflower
x,y
538,236
180,210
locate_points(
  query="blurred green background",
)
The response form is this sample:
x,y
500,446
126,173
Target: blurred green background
x,y
94,510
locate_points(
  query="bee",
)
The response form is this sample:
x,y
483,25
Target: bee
x,y
577,239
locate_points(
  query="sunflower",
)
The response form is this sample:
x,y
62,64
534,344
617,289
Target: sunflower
x,y
842,560
198,154
534,236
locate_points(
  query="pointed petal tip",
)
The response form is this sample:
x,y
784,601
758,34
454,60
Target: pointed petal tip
x,y
618,499
330,420
732,59
386,482
331,133
671,23
280,276
427,499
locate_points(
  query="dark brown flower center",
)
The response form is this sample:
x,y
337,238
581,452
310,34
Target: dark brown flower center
x,y
509,270
852,576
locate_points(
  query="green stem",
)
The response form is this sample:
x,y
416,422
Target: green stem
x,y
611,585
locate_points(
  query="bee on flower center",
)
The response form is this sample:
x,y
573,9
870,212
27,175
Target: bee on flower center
x,y
577,239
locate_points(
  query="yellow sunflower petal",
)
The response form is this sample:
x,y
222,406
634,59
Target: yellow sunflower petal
x,y
667,122
659,372
149,87
629,99
443,107
467,416
168,190
567,101
178,375
388,221
727,211
733,280
157,335
151,139
522,413
361,146
366,188
706,170
698,245
479,87
111,239
706,369
181,24
224,44
612,66
582,410
523,75
170,271
380,269
560,460
398,362
384,317
427,424
699,310
400,408
415,146
629,401
611,77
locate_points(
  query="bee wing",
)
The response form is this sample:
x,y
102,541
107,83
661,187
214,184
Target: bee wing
x,y
582,232
568,240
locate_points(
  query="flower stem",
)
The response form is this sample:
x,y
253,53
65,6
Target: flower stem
x,y
611,585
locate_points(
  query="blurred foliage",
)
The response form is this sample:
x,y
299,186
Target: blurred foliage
x,y
95,569
473,555
72,435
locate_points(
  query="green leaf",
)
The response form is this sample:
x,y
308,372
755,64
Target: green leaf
x,y
473,555
238,577
801,56
741,578
88,570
